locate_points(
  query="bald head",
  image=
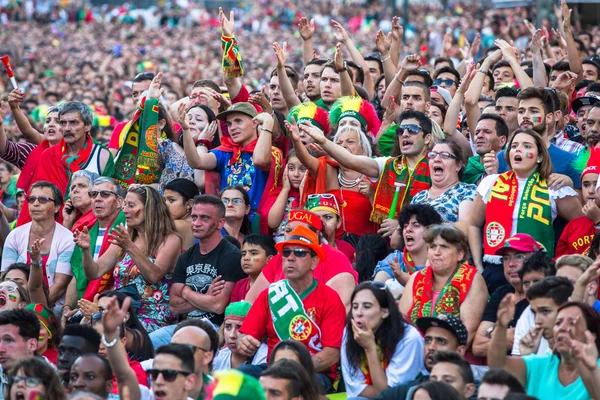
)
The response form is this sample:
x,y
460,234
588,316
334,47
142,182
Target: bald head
x,y
197,337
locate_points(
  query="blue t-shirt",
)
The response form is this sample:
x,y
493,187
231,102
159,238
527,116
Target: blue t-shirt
x,y
384,265
562,163
542,379
596,306
242,173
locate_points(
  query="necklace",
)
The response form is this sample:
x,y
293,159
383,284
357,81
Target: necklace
x,y
347,183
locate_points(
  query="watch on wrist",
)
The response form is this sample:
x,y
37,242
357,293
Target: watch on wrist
x,y
489,331
36,264
345,68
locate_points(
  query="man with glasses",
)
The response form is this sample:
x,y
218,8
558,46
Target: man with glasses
x,y
198,340
212,260
516,251
107,198
307,311
54,241
448,78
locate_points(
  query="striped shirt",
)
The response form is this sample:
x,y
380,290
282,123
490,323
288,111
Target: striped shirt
x,y
16,153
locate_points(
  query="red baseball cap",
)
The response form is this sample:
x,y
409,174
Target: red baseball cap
x,y
522,243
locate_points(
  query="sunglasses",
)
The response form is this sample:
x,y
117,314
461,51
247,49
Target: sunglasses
x,y
444,154
236,202
40,199
444,82
196,348
169,375
413,129
299,253
105,194
29,381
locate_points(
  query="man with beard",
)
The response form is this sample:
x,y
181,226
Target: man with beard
x,y
203,263
588,119
536,112
312,79
490,138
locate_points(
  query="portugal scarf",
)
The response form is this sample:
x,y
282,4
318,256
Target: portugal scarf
x,y
534,215
450,298
409,264
397,170
290,319
232,58
137,158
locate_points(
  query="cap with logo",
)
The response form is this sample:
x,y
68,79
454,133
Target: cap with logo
x,y
445,321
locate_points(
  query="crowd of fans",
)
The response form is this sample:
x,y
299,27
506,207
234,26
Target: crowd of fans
x,y
295,200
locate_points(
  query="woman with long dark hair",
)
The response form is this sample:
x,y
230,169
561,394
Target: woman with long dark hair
x,y
237,207
38,372
379,348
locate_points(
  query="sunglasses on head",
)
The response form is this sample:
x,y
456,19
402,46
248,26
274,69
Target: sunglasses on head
x,y
105,194
169,375
444,82
323,195
299,253
40,199
413,129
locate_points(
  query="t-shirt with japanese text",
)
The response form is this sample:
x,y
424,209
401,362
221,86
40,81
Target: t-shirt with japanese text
x,y
198,271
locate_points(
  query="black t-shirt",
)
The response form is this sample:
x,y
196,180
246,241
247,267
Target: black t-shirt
x,y
491,311
198,271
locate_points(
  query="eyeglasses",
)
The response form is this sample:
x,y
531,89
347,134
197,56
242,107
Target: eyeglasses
x,y
300,253
169,375
444,82
444,154
30,381
196,348
236,202
8,288
413,129
105,194
41,199
516,257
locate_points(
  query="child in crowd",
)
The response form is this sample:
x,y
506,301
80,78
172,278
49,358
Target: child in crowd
x,y
257,251
228,357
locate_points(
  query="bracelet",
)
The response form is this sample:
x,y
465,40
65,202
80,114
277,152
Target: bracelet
x,y
482,71
386,58
266,130
114,341
398,79
203,142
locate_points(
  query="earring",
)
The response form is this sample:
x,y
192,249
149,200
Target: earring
x,y
539,160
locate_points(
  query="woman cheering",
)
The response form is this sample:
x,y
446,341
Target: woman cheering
x,y
379,349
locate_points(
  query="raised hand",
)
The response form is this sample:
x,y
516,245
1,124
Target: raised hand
x,y
530,343
536,41
182,117
87,308
468,78
113,315
227,25
36,250
566,16
364,337
585,352
82,238
154,91
475,45
340,33
383,43
15,98
338,57
410,63
261,100
121,238
495,57
397,29
506,310
314,132
209,131
508,52
263,118
447,44
530,27
306,28
390,112
280,53
490,163
294,131
591,274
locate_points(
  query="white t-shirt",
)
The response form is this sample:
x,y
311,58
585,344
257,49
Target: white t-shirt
x,y
222,360
524,324
405,365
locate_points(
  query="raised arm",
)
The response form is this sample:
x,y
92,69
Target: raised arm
x,y
410,63
397,35
384,45
311,163
342,36
510,54
307,30
540,78
35,284
262,153
233,79
454,111
572,54
475,88
287,90
362,164
31,135
106,262
340,67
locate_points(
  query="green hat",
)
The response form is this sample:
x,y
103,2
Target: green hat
x,y
233,384
43,316
237,310
243,108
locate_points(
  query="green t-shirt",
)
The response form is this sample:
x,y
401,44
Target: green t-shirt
x,y
542,380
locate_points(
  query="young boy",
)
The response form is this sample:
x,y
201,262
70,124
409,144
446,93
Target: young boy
x,y
257,251
228,357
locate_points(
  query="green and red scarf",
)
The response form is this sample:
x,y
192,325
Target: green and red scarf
x,y
137,159
409,263
232,58
397,170
290,319
534,217
450,298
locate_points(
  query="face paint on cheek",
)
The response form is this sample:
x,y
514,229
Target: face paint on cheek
x,y
529,155
35,395
536,120
12,298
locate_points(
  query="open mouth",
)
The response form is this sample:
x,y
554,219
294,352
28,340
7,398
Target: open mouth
x,y
408,240
518,158
2,300
437,170
159,394
593,139
19,396
406,143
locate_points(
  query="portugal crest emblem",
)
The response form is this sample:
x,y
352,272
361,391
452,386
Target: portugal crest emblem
x,y
300,328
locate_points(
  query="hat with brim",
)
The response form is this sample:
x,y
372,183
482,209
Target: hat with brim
x,y
522,243
240,108
589,100
303,236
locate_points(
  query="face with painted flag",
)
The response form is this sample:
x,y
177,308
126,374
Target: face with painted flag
x,y
22,388
10,298
531,115
523,154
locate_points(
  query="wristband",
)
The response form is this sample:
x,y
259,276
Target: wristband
x,y
266,130
114,341
203,142
36,264
344,68
482,71
398,79
386,58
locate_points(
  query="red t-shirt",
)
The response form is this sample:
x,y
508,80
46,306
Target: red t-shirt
x,y
346,248
240,290
141,375
576,237
321,304
335,263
